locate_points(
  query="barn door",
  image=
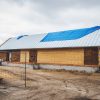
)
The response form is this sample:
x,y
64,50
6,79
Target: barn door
x,y
91,56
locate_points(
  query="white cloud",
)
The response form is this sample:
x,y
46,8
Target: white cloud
x,y
39,16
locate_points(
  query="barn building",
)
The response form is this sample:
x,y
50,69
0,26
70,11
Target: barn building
x,y
77,49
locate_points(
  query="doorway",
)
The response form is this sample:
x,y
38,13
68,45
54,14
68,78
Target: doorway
x,y
91,56
33,56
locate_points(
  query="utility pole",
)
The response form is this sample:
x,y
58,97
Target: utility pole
x,y
25,68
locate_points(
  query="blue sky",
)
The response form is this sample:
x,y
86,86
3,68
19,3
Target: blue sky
x,y
19,17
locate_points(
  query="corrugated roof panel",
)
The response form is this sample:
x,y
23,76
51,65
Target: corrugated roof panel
x,y
33,42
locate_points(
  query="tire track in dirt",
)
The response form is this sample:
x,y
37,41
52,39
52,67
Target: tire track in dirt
x,y
46,86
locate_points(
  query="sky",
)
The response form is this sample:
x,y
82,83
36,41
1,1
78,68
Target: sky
x,y
18,17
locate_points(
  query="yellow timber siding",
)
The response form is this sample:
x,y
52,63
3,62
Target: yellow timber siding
x,y
61,56
22,56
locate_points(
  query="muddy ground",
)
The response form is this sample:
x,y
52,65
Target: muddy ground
x,y
48,85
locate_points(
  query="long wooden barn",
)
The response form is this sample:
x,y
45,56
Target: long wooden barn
x,y
71,49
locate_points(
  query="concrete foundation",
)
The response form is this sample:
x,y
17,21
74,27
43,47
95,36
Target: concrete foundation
x,y
55,67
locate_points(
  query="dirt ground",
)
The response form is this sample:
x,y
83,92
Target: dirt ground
x,y
48,85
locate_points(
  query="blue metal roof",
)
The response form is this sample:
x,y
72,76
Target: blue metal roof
x,y
69,35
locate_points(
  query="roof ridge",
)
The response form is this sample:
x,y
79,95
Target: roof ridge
x,y
5,42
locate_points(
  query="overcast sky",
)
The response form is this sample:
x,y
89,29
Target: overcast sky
x,y
19,17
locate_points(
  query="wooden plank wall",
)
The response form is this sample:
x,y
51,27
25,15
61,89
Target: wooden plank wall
x,y
22,56
91,56
15,56
61,56
3,55
99,56
33,56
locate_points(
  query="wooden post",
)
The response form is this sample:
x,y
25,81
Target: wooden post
x,y
25,69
